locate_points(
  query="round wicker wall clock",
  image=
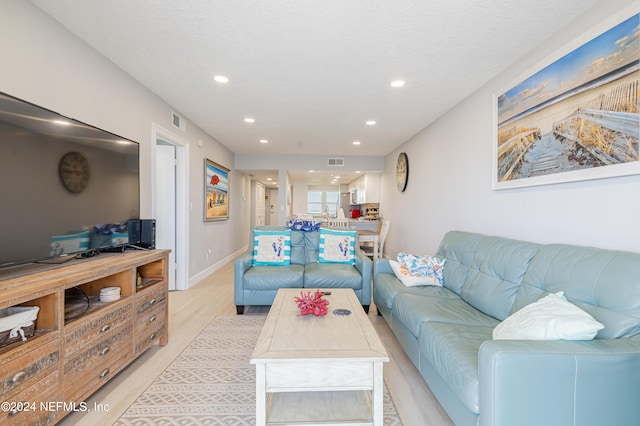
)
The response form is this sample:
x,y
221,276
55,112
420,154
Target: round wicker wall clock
x,y
74,172
402,171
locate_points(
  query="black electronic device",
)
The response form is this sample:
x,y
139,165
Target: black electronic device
x,y
133,229
147,233
142,233
67,188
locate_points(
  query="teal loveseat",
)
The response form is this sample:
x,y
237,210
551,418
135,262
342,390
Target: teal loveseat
x,y
258,284
447,333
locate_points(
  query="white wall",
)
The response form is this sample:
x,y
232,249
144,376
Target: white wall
x,y
451,167
45,64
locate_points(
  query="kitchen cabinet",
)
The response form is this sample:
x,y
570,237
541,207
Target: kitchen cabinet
x,y
367,188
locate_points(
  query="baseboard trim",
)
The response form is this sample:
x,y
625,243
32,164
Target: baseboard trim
x,y
213,268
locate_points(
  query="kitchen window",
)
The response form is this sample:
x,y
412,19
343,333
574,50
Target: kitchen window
x,y
323,202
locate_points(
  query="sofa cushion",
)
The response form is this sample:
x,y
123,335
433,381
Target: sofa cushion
x,y
412,310
604,283
304,246
452,349
499,267
459,248
491,268
331,275
273,277
387,286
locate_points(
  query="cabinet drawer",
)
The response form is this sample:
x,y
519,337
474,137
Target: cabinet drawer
x,y
149,298
87,333
33,405
86,362
28,368
86,380
151,317
149,336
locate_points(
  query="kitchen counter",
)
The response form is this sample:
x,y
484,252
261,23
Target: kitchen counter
x,y
364,225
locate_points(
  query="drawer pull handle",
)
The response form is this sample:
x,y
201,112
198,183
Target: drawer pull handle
x,y
153,336
105,328
13,412
105,351
104,373
152,319
152,301
18,377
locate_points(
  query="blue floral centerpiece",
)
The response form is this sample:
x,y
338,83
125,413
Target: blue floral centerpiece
x,y
303,225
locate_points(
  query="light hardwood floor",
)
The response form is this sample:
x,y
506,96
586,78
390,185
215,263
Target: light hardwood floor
x,y
191,310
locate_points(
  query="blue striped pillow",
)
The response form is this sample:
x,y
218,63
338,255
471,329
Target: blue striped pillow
x,y
271,247
337,246
72,243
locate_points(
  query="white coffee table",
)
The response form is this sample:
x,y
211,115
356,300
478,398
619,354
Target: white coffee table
x,y
318,370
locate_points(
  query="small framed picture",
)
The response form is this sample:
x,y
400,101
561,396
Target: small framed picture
x,y
216,191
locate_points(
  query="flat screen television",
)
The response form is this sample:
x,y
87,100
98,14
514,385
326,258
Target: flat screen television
x,y
66,188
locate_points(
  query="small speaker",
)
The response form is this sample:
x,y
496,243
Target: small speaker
x,y
133,228
147,233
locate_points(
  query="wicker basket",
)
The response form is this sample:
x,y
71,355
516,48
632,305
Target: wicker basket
x,y
17,323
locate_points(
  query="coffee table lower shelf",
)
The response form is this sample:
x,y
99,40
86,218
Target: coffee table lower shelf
x,y
318,370
320,408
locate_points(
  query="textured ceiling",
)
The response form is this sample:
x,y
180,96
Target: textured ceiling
x,y
312,72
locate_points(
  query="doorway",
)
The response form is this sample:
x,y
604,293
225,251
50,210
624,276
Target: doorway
x,y
169,205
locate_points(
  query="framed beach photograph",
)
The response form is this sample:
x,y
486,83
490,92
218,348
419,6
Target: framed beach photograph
x,y
577,118
216,191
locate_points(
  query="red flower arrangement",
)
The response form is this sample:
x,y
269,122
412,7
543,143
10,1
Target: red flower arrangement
x,y
312,304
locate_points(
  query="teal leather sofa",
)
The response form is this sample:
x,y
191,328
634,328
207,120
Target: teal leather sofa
x,y
258,284
447,333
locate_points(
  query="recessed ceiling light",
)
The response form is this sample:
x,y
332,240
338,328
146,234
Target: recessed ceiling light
x,y
269,179
371,123
264,141
249,120
221,79
356,142
397,83
358,171
312,171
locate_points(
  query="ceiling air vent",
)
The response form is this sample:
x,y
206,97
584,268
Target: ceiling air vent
x,y
335,161
178,121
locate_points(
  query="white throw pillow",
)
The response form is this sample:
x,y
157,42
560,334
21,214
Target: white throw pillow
x,y
550,318
271,247
410,281
336,246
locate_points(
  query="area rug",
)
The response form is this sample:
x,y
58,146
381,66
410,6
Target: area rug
x,y
212,382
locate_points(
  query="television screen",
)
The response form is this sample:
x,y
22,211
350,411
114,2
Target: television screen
x,y
65,187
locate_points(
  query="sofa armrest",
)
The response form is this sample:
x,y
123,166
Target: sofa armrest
x,y
585,383
364,265
382,266
241,264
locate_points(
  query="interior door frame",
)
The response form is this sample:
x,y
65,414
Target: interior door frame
x,y
182,204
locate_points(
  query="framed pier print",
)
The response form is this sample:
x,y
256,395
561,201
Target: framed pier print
x,y
575,119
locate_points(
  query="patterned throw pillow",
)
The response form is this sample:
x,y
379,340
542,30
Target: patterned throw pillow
x,y
337,246
271,247
403,275
422,266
